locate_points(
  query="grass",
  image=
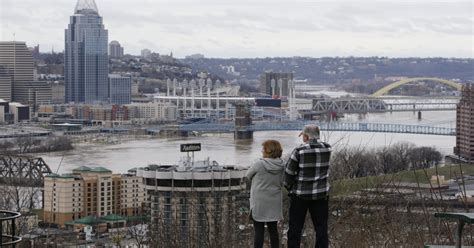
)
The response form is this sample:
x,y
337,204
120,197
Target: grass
x,y
349,186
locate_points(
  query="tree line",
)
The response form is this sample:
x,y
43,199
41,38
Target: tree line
x,y
22,145
353,162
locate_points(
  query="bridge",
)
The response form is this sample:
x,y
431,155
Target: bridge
x,y
325,126
397,84
374,105
23,170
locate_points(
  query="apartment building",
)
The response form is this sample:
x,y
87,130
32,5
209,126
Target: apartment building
x,y
91,192
465,125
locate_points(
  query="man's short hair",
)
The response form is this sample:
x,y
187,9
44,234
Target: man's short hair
x,y
311,130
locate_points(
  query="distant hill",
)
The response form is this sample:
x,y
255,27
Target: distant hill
x,y
337,69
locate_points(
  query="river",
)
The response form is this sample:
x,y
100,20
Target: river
x,y
225,150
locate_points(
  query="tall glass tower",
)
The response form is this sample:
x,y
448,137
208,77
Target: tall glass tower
x,y
86,60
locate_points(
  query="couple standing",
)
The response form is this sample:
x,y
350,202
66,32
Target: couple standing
x,y
304,175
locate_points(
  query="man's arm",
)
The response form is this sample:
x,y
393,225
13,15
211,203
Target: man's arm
x,y
291,170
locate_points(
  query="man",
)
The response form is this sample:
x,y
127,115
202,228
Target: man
x,y
306,178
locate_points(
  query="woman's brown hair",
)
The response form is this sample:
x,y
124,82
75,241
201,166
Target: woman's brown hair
x,y
272,149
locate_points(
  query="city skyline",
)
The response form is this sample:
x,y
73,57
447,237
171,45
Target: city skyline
x,y
260,29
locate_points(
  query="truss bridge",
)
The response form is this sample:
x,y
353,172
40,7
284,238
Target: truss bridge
x,y
23,170
376,104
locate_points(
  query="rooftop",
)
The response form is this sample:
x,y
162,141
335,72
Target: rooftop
x,y
86,7
187,165
91,169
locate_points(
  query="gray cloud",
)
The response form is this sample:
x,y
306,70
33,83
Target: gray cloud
x,y
226,28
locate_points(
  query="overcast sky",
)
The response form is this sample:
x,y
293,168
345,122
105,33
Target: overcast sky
x,y
258,28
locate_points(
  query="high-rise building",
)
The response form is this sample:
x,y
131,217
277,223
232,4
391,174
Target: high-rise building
x,y
91,192
196,202
17,80
17,60
85,57
275,83
115,49
465,124
5,85
120,89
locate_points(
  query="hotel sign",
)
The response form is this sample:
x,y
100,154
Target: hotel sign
x,y
190,147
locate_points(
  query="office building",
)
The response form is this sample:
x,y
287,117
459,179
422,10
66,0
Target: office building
x,y
5,85
146,53
16,69
465,125
196,203
120,89
115,50
17,61
91,192
86,56
275,83
32,92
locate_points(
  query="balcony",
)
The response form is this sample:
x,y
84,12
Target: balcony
x,y
8,228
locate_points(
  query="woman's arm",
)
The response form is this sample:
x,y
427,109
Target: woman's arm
x,y
252,171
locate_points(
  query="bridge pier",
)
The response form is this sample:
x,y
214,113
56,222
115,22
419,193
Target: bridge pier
x,y
243,120
240,135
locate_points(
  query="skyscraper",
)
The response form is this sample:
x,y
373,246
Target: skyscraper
x,y
17,60
465,124
86,58
17,75
115,49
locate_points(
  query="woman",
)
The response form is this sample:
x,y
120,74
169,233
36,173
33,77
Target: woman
x,y
265,193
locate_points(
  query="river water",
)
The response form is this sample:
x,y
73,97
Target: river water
x,y
225,150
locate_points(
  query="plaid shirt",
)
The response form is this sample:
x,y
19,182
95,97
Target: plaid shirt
x,y
307,170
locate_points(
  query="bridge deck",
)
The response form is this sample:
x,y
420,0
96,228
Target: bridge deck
x,y
325,126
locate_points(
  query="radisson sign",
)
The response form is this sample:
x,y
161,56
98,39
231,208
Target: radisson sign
x,y
195,147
